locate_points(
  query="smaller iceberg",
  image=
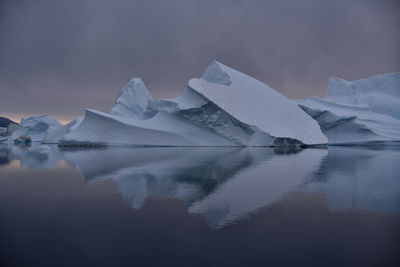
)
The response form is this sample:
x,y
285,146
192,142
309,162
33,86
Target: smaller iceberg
x,y
33,128
37,127
365,111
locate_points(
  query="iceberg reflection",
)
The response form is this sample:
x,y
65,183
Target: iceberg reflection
x,y
37,156
221,184
227,184
360,178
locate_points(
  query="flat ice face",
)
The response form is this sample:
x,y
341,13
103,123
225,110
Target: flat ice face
x,y
359,112
255,103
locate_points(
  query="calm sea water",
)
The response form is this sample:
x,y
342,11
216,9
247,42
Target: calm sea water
x,y
199,206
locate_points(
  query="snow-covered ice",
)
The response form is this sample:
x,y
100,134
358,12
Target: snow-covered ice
x,y
54,134
222,108
255,103
360,112
225,107
134,101
38,126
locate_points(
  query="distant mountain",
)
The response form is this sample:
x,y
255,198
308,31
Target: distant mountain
x,y
4,122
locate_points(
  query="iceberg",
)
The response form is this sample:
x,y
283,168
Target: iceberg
x,y
365,111
12,131
222,108
54,134
33,128
37,127
255,103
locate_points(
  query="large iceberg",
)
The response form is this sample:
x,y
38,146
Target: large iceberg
x,y
222,108
365,111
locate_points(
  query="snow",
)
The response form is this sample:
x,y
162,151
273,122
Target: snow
x,y
54,135
223,108
100,128
366,111
38,126
380,93
255,103
228,108
187,100
12,132
134,101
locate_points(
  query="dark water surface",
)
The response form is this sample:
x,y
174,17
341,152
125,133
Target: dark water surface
x,y
199,206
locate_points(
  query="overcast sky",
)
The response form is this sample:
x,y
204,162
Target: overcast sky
x,y
59,57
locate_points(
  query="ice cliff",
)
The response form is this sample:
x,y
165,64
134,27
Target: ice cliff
x,y
222,108
365,111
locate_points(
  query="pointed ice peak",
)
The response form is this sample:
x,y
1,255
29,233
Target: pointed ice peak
x,y
135,88
215,74
134,100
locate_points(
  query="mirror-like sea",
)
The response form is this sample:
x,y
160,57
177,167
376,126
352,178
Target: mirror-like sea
x,y
199,206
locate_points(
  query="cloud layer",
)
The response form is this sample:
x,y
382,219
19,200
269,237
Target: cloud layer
x,y
58,57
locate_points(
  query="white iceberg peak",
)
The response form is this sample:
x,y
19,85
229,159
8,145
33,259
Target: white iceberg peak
x,y
134,100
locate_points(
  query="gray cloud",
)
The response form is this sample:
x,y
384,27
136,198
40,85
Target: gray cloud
x,y
58,57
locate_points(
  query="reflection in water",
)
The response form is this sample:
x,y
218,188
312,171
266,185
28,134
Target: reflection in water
x,y
224,185
365,179
36,156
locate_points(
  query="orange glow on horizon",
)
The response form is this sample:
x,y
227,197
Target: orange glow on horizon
x,y
17,118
